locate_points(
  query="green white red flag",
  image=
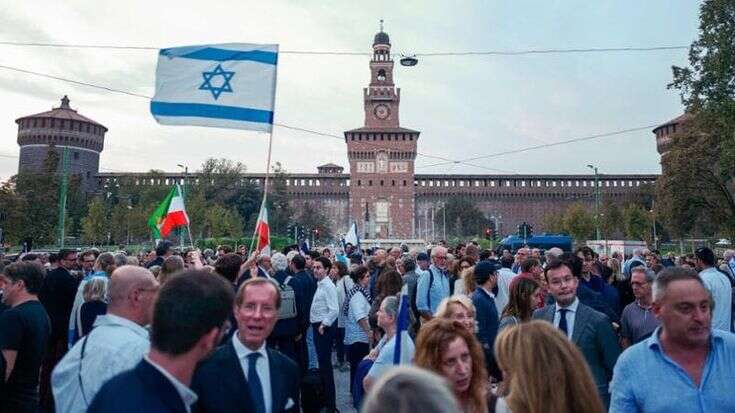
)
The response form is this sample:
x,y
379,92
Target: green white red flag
x,y
263,232
169,215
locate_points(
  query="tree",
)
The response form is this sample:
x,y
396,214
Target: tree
x,y
579,222
637,222
310,218
279,208
223,222
463,218
554,222
610,220
700,167
95,225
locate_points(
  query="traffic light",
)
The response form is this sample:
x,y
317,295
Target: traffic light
x,y
316,233
525,230
488,233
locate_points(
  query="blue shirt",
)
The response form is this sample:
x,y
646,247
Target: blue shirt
x,y
430,294
645,379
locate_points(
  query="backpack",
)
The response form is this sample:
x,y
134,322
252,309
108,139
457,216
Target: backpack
x,y
287,309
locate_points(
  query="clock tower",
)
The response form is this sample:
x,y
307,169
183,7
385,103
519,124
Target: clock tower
x,y
381,155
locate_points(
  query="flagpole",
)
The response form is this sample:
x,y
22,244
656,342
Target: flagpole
x,y
268,159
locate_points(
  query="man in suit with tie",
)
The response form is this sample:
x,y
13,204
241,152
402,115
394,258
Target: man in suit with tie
x,y
188,317
244,375
590,330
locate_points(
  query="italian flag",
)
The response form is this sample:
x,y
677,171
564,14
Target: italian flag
x,y
169,215
262,232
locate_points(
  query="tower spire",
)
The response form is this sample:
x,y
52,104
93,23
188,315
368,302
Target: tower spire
x,y
381,25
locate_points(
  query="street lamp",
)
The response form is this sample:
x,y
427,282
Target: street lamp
x,y
597,200
653,215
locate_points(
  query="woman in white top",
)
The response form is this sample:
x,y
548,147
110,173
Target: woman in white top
x,y
357,329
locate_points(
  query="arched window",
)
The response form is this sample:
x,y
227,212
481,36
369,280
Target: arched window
x,y
381,75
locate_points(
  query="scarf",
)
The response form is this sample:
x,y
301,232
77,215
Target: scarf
x,y
357,288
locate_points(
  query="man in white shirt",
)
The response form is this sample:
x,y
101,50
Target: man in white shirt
x,y
719,286
244,375
324,312
117,343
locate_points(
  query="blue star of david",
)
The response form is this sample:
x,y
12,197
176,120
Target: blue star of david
x,y
217,90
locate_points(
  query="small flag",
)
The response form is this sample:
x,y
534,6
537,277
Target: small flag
x,y
402,353
262,232
224,85
169,215
352,238
304,245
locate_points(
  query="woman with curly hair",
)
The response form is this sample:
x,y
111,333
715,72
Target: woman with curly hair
x,y
521,303
566,385
464,282
449,349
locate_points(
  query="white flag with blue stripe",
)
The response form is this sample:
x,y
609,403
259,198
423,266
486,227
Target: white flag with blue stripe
x,y
224,85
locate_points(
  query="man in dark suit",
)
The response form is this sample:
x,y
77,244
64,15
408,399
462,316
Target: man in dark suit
x,y
164,249
244,375
590,330
188,317
57,296
486,313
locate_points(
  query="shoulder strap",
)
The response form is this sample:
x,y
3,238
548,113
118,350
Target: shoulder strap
x,y
428,290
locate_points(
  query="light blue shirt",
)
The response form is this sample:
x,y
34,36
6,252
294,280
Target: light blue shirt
x,y
428,296
570,316
646,380
719,286
384,362
115,345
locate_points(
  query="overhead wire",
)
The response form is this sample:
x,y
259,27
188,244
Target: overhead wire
x,y
115,90
349,53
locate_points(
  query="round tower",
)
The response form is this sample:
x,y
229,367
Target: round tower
x,y
666,132
61,128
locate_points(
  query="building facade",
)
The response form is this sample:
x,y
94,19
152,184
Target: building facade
x,y
381,192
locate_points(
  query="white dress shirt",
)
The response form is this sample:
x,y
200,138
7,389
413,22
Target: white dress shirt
x,y
570,316
325,306
505,276
115,345
187,395
261,367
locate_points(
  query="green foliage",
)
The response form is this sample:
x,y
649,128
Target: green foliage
x,y
222,222
637,223
310,218
463,218
696,190
95,224
579,221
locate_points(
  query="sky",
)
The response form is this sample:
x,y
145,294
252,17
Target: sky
x,y
464,106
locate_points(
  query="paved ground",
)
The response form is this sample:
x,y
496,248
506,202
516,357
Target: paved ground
x,y
342,386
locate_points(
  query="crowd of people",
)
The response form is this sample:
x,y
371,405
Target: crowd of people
x,y
432,330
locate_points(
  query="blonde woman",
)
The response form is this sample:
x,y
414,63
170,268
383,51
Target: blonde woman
x,y
95,303
103,268
544,372
458,307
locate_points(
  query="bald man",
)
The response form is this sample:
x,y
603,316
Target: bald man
x,y
117,342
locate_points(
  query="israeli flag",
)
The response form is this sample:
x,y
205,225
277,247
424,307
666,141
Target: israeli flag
x,y
226,85
403,351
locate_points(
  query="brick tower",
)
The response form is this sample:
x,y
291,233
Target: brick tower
x,y
382,155
60,128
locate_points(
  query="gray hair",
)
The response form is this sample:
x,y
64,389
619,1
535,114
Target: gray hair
x,y
390,305
120,259
279,262
290,255
669,275
649,274
408,389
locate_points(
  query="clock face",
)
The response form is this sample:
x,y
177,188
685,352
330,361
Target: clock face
x,y
381,111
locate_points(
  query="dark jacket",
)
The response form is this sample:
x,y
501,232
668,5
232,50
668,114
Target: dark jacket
x,y
57,296
143,389
306,284
486,315
220,383
591,299
156,261
595,338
